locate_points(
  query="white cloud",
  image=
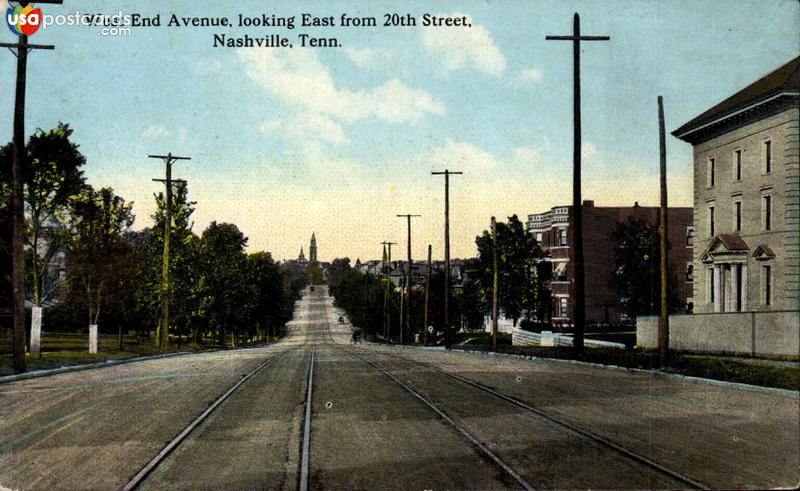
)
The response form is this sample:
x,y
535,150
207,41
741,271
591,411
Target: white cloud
x,y
299,79
459,47
588,151
463,156
305,127
361,57
531,74
155,131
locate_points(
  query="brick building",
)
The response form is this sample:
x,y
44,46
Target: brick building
x,y
747,197
553,230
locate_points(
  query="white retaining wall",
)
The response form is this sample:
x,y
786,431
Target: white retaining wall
x,y
526,338
748,333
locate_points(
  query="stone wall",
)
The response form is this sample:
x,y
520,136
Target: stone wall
x,y
743,333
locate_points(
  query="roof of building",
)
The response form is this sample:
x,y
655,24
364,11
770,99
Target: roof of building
x,y
733,242
787,77
763,251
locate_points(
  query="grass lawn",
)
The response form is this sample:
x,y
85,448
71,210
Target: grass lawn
x,y
781,375
68,349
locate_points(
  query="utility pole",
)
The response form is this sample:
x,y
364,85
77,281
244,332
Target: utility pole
x,y
427,294
446,174
494,285
408,279
663,320
20,49
579,313
162,334
387,246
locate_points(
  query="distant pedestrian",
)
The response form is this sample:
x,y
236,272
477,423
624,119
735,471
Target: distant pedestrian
x,y
416,338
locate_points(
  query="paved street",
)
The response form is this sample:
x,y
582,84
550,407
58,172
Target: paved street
x,y
389,418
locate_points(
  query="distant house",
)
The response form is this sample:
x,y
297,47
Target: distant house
x,y
553,230
747,197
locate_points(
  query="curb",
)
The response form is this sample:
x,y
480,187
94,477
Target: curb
x,y
674,376
111,363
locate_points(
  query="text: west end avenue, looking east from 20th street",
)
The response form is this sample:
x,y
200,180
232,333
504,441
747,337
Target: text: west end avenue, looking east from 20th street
x,y
268,22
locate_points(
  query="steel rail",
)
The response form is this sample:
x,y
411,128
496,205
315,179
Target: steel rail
x,y
480,446
172,445
307,428
563,423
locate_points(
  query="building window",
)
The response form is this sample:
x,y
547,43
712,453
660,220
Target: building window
x,y
689,272
766,285
711,221
766,212
767,156
560,271
710,285
737,164
563,309
737,216
689,236
712,170
539,237
562,237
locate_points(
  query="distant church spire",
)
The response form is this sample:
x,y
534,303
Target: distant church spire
x,y
302,257
312,250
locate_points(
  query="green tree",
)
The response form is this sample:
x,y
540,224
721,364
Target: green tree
x,y
265,280
52,175
222,271
184,248
637,269
5,226
518,254
98,252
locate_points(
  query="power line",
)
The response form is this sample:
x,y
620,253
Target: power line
x,y
579,310
408,217
162,334
20,50
387,266
446,174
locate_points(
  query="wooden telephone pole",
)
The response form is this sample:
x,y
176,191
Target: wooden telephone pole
x,y
663,320
427,295
494,285
579,311
162,334
20,50
408,279
446,174
387,246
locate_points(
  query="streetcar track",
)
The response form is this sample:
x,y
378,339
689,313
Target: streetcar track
x,y
156,461
491,456
586,434
469,436
305,455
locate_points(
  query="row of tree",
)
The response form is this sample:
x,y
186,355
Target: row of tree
x,y
112,274
523,283
522,291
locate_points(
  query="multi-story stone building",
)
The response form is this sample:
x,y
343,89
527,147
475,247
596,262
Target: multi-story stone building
x,y
747,197
553,230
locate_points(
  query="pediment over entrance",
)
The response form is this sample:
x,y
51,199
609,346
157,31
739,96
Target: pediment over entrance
x,y
725,248
763,252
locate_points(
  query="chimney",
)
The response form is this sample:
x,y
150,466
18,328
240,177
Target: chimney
x,y
588,203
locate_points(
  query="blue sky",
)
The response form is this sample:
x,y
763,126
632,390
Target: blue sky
x,y
340,140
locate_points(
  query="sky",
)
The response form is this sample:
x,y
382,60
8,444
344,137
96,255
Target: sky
x,y
339,140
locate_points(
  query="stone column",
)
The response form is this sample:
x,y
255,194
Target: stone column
x,y
734,299
744,287
717,288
